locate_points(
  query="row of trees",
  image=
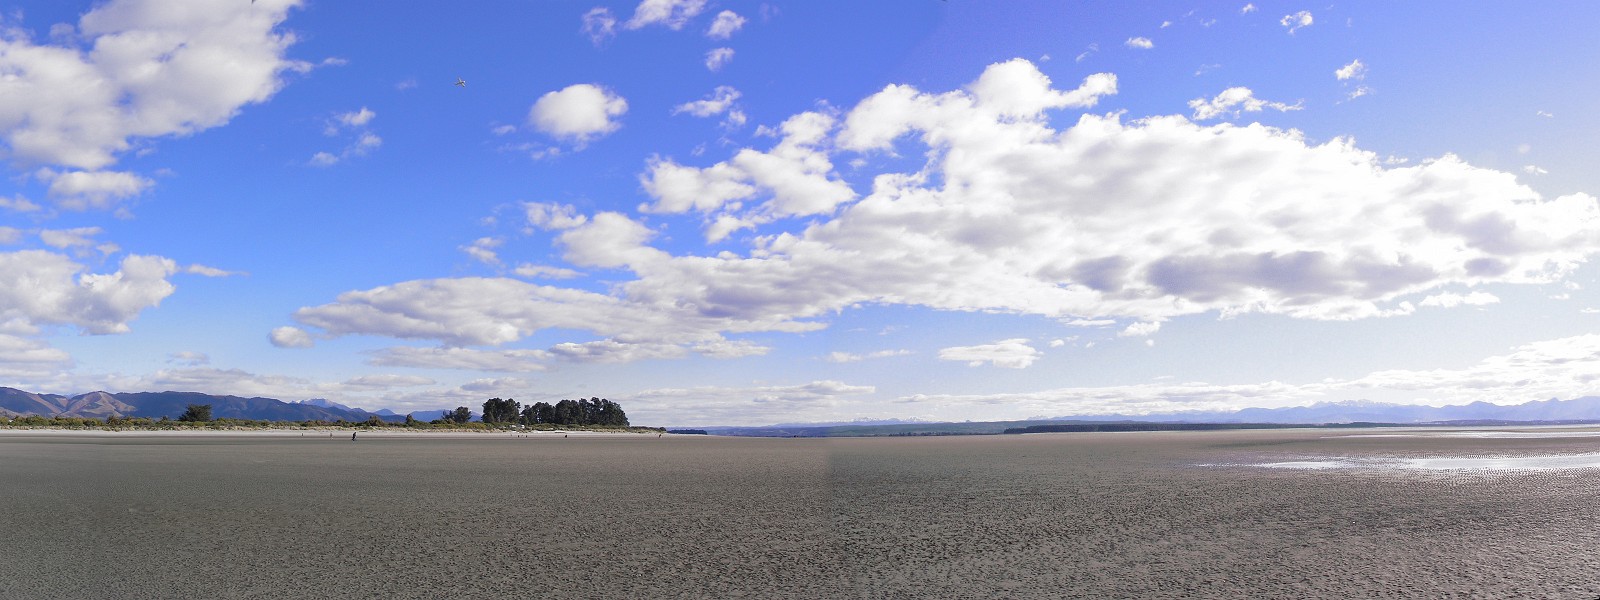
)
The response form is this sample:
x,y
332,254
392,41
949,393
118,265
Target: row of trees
x,y
593,411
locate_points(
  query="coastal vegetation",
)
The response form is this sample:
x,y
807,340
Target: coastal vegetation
x,y
500,415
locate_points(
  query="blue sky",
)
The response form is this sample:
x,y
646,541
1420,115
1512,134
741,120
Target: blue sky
x,y
759,212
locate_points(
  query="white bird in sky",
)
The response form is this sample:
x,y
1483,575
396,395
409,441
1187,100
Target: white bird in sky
x,y
461,82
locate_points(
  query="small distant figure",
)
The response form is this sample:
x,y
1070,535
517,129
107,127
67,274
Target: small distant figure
x,y
352,436
461,82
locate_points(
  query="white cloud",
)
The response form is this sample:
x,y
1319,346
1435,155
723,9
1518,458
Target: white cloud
x,y
1087,52
1142,43
22,357
205,271
506,361
146,69
483,250
579,112
1296,21
532,271
1004,213
10,235
83,190
323,159
189,358
847,357
544,215
80,237
794,177
387,381
1534,170
44,288
358,118
720,100
1450,299
726,24
1234,101
290,337
673,14
599,25
756,405
1011,354
1140,329
718,58
1248,8
19,204
1355,70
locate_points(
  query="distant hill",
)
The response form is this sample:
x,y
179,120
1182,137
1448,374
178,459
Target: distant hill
x,y
1585,409
14,402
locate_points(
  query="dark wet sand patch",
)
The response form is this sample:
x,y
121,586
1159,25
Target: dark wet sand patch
x,y
1059,515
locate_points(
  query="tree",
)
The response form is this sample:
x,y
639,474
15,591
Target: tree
x,y
411,421
196,413
459,416
496,410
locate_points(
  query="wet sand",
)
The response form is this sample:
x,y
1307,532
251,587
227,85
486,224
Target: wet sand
x,y
1098,515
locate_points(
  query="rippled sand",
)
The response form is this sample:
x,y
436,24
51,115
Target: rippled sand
x,y
1101,515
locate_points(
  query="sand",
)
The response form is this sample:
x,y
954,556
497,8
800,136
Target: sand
x,y
1098,515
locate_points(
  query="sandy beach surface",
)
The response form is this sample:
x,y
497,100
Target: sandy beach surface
x,y
1253,514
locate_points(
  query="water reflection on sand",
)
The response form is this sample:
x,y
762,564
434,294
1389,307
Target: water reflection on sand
x,y
1448,463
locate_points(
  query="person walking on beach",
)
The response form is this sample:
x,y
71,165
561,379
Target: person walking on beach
x,y
352,436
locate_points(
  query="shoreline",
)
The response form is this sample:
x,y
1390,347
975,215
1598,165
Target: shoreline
x,y
303,431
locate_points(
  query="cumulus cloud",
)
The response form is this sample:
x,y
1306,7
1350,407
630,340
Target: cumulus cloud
x,y
483,250
1143,220
1142,43
290,337
1296,21
1235,101
794,178
1248,8
672,14
44,288
1011,354
145,69
726,24
83,190
1355,70
722,100
578,113
1140,329
10,235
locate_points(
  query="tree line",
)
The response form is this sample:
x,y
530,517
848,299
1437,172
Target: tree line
x,y
498,411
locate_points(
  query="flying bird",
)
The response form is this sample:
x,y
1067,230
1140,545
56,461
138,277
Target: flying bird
x,y
461,82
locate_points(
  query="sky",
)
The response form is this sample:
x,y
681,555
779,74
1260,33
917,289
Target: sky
x,y
756,212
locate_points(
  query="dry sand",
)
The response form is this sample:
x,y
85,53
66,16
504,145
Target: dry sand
x,y
1101,515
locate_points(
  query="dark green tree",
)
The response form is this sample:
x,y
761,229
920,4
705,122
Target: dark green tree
x,y
411,421
196,413
458,416
496,410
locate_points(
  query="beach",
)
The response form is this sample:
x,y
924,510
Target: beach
x,y
1215,514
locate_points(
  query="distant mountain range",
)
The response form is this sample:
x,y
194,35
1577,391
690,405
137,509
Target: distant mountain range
x,y
14,402
1582,409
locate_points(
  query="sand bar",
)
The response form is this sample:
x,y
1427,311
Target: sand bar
x,y
1112,515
